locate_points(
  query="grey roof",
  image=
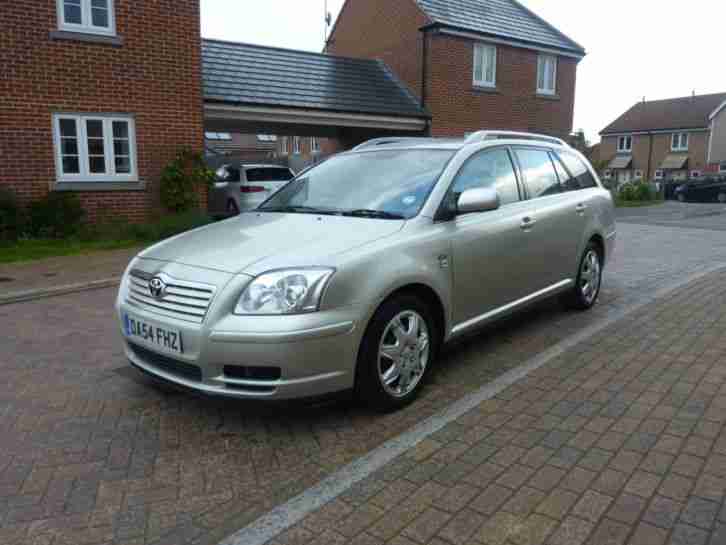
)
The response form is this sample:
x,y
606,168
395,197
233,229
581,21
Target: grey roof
x,y
503,18
621,161
251,74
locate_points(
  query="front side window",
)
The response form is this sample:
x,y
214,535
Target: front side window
x,y
679,141
581,176
94,16
95,148
391,184
539,173
485,65
625,144
547,75
488,169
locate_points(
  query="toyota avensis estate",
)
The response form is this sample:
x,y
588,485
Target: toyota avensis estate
x,y
354,274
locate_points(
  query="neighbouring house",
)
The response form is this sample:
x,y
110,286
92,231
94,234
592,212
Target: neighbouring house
x,y
665,140
96,97
473,64
717,145
248,147
299,152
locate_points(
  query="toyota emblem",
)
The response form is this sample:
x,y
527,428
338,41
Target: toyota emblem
x,y
157,288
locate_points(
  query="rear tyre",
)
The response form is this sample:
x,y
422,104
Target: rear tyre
x,y
584,294
232,208
396,353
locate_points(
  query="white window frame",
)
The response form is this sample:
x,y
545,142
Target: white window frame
x,y
296,145
314,144
542,62
85,176
267,138
677,141
86,25
622,143
218,136
480,49
659,174
284,145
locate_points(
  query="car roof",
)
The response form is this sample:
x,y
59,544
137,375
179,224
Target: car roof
x,y
455,144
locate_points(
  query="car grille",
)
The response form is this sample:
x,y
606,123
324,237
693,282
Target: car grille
x,y
166,364
184,300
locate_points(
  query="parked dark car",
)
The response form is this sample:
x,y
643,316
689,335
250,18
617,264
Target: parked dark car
x,y
703,190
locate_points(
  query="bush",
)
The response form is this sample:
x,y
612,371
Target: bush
x,y
182,179
59,215
11,218
643,192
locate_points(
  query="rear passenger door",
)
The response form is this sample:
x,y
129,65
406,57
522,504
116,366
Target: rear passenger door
x,y
551,222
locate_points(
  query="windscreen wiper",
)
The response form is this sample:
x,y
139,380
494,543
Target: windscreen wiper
x,y
378,214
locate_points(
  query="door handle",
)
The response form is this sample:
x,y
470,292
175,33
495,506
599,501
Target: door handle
x,y
527,223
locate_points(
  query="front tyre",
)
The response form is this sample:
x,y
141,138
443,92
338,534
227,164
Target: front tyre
x,y
589,279
396,352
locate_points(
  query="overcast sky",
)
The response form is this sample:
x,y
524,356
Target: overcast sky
x,y
652,48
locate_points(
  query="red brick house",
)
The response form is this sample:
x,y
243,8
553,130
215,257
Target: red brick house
x,y
472,63
96,96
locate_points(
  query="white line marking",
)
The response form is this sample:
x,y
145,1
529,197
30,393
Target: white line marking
x,y
293,511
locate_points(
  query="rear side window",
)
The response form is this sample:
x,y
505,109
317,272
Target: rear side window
x,y
268,174
539,173
488,169
582,178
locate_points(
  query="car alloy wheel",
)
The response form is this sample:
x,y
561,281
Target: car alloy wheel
x,y
590,276
403,353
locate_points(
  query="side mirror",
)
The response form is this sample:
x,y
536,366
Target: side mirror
x,y
480,199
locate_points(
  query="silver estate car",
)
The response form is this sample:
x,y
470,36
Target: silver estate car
x,y
244,187
355,273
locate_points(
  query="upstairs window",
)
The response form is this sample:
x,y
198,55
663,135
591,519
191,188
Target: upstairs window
x,y
625,144
95,148
485,65
547,75
91,16
218,136
679,141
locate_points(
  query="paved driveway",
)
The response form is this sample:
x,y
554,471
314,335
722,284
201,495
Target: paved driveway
x,y
92,453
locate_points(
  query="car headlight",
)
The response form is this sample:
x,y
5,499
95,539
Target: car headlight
x,y
287,291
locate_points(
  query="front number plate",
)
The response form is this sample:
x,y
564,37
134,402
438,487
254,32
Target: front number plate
x,y
162,338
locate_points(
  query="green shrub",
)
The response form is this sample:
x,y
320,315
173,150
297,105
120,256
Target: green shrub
x,y
59,215
182,179
643,192
627,192
11,219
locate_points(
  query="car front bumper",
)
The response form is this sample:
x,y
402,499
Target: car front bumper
x,y
253,357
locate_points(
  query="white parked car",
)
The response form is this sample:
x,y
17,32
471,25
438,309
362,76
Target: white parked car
x,y
244,187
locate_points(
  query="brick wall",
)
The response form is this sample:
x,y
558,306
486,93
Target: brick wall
x,y
155,75
458,107
382,29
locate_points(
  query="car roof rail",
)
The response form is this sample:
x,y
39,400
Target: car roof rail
x,y
481,136
401,140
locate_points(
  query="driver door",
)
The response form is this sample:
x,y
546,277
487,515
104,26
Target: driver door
x,y
489,253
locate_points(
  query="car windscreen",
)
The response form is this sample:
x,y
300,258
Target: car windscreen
x,y
266,174
387,183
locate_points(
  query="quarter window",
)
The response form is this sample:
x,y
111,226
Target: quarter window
x,y
95,148
547,75
625,143
679,141
93,16
539,173
488,169
581,177
485,65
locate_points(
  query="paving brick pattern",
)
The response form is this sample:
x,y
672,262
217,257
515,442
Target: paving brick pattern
x,y
620,440
91,453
